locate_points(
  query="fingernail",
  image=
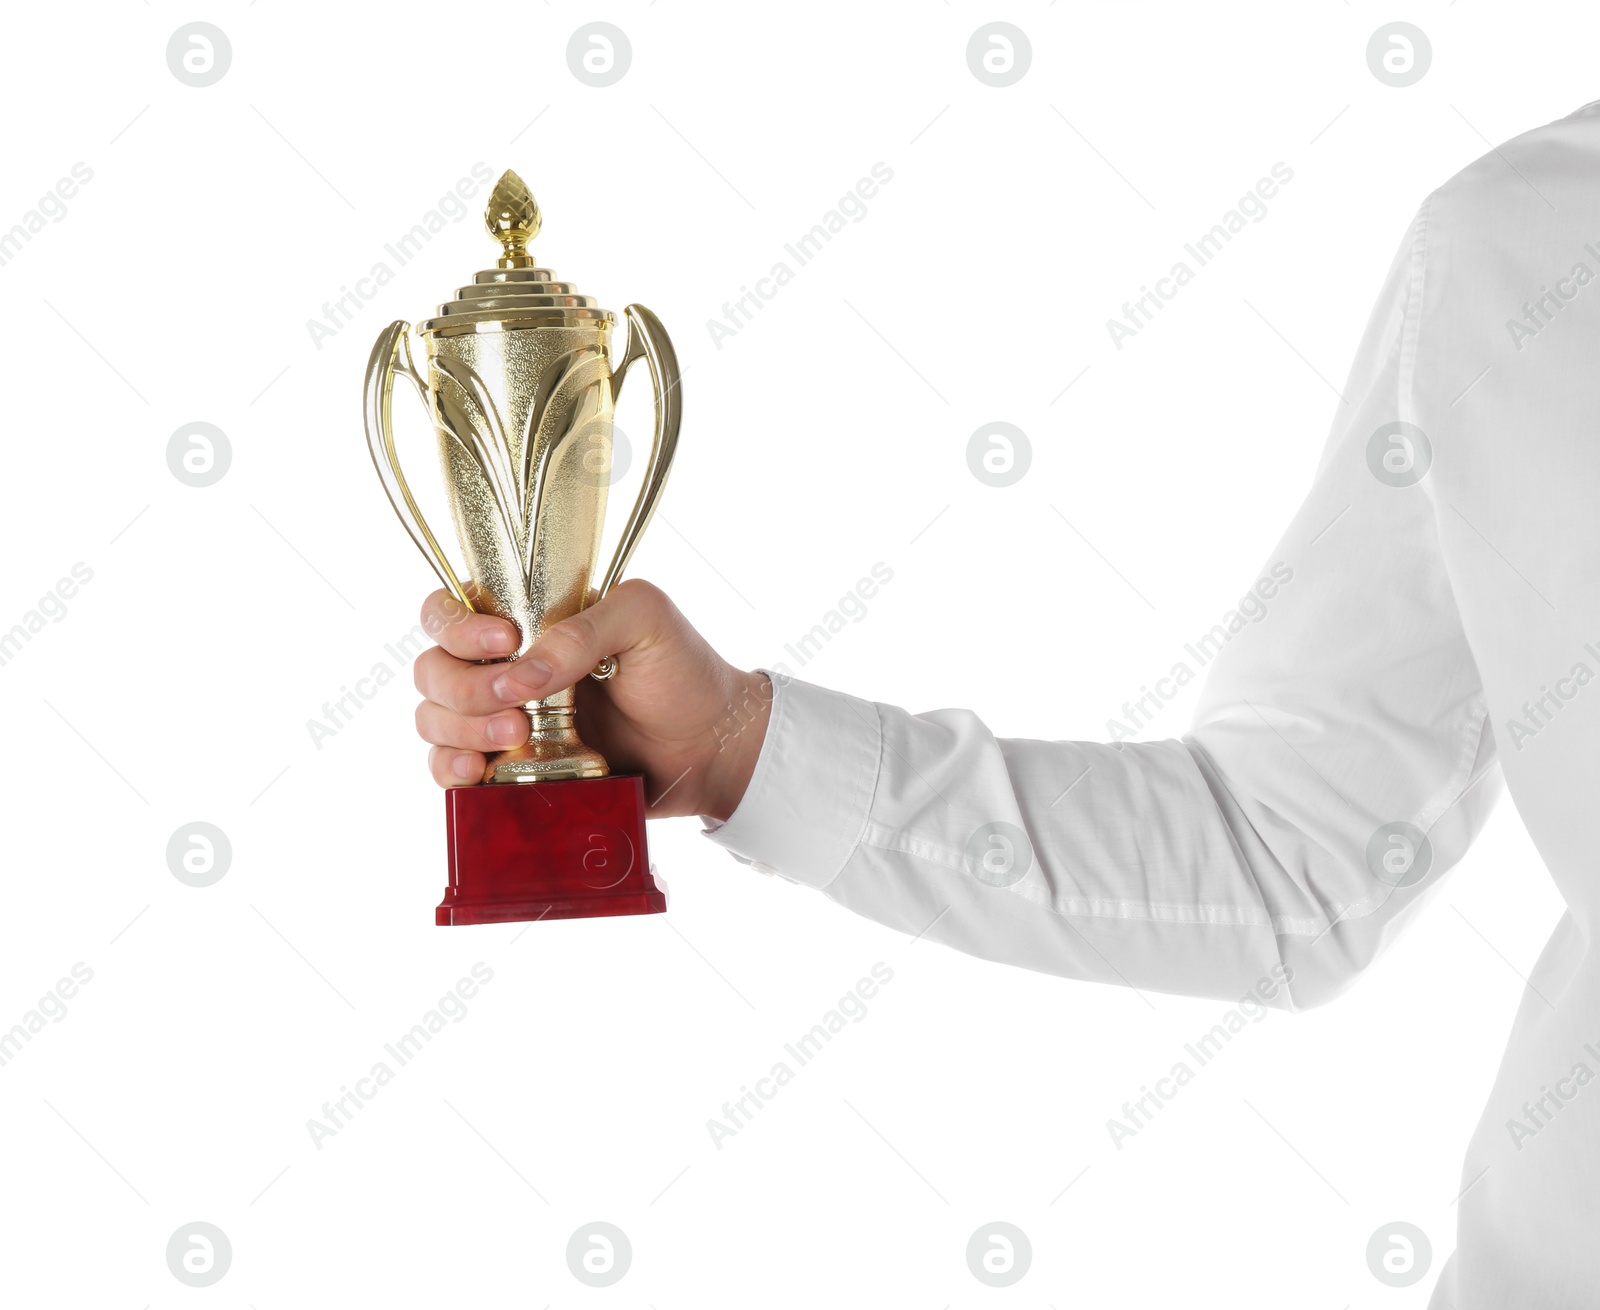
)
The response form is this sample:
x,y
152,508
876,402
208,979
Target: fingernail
x,y
507,729
466,766
522,680
497,641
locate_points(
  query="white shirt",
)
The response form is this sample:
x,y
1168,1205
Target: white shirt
x,y
1441,639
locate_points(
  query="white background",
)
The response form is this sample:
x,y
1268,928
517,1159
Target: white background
x,y
818,441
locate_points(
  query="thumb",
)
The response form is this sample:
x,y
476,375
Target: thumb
x,y
620,622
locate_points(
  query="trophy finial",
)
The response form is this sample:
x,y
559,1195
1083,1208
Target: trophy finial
x,y
513,220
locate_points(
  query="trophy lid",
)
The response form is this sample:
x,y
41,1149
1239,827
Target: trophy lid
x,y
515,292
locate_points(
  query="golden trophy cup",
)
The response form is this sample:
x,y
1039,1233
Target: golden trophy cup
x,y
521,390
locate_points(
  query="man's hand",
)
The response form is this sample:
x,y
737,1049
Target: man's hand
x,y
675,710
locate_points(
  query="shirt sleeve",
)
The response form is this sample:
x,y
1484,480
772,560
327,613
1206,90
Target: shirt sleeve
x,y
1339,763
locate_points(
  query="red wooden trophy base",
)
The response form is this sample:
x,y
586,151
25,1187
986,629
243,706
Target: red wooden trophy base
x,y
548,850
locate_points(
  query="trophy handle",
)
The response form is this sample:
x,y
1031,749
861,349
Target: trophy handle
x,y
391,354
647,338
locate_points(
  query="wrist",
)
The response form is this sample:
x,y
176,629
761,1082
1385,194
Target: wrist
x,y
738,738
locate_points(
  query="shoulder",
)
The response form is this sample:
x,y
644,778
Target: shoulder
x,y
1531,184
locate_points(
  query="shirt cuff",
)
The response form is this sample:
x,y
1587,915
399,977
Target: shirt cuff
x,y
808,800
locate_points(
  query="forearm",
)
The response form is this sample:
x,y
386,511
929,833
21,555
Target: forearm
x,y
1138,864
1102,863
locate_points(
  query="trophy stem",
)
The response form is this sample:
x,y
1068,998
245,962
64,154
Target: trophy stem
x,y
553,751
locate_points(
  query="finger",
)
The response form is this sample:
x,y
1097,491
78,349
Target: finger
x,y
442,726
453,768
620,622
465,633
466,688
